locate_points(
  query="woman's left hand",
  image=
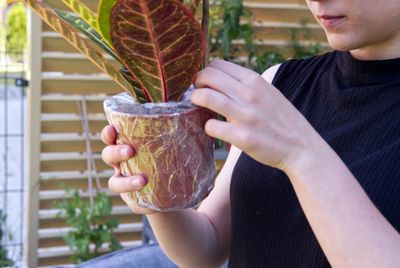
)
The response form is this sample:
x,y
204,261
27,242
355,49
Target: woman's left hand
x,y
260,120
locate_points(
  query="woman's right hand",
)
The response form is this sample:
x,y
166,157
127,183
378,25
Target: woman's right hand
x,y
114,154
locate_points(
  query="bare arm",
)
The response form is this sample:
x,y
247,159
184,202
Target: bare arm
x,y
350,229
199,238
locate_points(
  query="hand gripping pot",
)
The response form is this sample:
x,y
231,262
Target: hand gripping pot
x,y
172,150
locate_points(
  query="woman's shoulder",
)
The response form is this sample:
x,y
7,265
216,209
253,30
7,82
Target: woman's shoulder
x,y
305,67
270,73
292,76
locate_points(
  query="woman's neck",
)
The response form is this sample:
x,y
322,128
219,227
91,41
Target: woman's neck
x,y
389,49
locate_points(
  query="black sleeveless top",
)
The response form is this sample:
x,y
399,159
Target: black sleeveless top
x,y
355,107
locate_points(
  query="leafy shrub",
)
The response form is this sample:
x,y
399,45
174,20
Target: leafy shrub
x,y
91,224
4,260
232,14
16,31
297,50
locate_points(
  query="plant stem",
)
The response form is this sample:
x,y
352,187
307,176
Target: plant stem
x,y
204,26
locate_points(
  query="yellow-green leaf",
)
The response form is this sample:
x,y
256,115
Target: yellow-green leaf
x,y
103,19
85,46
83,11
85,28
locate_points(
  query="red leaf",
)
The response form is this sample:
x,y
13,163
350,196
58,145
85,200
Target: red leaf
x,y
161,44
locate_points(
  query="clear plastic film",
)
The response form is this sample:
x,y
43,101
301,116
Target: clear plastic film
x,y
172,150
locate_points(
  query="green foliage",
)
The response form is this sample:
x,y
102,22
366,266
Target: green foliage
x,y
233,14
301,50
104,18
192,5
4,260
222,34
83,12
297,50
91,224
2,39
16,31
87,30
266,60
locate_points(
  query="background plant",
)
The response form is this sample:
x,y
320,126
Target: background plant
x,y
226,25
230,21
5,261
92,225
16,31
299,47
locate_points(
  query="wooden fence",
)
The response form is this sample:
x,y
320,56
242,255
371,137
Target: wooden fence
x,y
59,77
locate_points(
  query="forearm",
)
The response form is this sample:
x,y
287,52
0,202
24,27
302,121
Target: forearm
x,y
350,229
188,238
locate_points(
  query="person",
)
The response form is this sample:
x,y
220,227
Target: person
x,y
312,178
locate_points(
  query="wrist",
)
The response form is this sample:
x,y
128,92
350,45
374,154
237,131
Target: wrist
x,y
311,157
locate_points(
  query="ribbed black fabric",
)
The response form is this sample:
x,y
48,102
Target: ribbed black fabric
x,y
355,106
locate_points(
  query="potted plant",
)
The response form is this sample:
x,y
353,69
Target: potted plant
x,y
158,46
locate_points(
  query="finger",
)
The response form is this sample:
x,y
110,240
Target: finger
x,y
108,135
225,131
216,102
120,184
236,71
113,154
216,79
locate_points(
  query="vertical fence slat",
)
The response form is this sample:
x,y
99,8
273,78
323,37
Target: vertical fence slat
x,y
33,138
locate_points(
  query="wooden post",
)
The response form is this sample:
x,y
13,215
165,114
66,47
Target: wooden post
x,y
33,139
204,25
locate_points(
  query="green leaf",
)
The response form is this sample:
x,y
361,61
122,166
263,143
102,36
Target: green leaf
x,y
112,224
161,44
86,47
85,28
105,236
140,97
115,245
4,260
104,18
83,11
192,5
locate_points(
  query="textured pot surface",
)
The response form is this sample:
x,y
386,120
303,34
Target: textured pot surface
x,y
172,150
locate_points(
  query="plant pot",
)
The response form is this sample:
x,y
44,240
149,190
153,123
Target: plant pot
x,y
172,150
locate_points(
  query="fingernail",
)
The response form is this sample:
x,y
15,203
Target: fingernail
x,y
136,183
124,152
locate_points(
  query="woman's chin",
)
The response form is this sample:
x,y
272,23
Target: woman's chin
x,y
343,44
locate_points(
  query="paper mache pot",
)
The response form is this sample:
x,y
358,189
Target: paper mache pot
x,y
173,152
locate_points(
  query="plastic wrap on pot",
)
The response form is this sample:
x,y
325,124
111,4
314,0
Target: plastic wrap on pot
x,y
172,150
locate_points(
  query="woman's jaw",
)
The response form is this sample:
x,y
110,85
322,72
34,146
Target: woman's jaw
x,y
366,48
369,29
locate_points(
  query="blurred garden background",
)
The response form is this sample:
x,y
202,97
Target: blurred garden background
x,y
54,205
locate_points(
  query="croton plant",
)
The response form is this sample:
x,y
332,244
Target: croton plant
x,y
155,47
